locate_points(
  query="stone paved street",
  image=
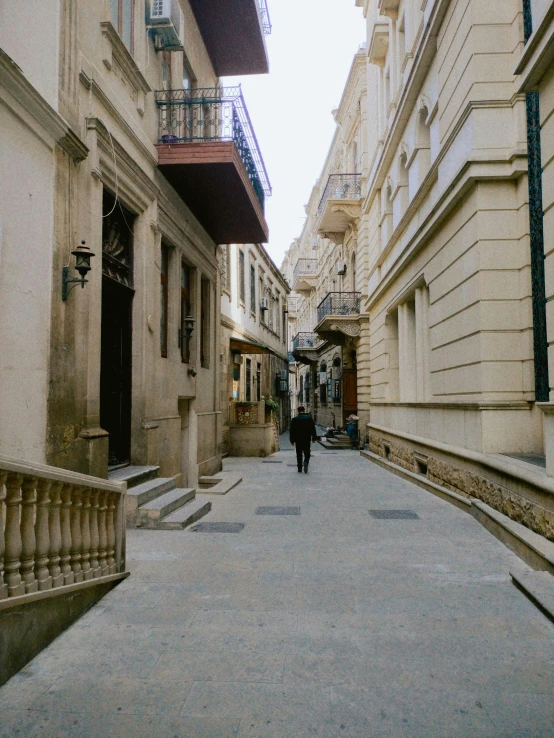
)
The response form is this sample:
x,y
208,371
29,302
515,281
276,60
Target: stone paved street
x,y
331,623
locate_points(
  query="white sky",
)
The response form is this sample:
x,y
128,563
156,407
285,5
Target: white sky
x,y
310,52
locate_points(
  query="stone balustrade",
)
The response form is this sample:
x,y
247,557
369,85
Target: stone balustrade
x,y
57,528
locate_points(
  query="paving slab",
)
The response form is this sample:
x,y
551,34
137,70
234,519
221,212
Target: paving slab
x,y
329,623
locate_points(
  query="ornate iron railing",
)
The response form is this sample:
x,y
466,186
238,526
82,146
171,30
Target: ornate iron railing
x,y
305,267
213,114
341,187
266,21
305,341
339,303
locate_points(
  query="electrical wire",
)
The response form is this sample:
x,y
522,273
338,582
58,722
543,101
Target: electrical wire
x,y
116,179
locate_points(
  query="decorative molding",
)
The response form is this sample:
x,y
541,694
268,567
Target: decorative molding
x,y
132,182
353,211
350,328
30,107
119,60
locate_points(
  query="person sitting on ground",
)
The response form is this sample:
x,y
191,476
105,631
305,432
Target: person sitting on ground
x,y
302,432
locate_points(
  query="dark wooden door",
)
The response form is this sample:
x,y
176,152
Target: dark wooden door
x,y
349,392
115,369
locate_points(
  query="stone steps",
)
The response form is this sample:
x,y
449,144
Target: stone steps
x,y
156,502
186,515
340,442
152,512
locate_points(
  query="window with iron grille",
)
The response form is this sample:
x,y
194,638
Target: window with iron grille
x,y
242,287
261,291
253,289
186,310
164,295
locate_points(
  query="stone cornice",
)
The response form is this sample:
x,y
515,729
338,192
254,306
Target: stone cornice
x,y
29,105
538,54
88,78
471,172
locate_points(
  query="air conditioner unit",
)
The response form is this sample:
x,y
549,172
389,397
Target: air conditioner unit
x,y
264,303
238,359
341,269
167,22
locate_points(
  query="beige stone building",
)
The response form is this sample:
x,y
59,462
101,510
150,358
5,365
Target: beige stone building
x,y
115,131
452,254
254,361
327,270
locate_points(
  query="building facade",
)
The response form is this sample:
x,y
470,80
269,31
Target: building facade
x,y
450,219
117,132
327,270
254,361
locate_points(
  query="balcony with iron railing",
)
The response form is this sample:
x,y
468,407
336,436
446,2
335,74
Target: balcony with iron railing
x,y
339,205
305,275
208,151
337,317
305,341
339,303
234,33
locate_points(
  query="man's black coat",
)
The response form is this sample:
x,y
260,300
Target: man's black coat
x,y
302,429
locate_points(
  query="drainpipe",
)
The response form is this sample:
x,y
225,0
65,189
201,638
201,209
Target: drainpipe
x,y
540,341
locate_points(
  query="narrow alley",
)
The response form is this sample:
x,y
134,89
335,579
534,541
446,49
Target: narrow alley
x,y
314,619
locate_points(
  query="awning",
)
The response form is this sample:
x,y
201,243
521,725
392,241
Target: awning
x,y
242,346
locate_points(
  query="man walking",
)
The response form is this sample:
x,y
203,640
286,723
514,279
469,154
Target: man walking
x,y
302,432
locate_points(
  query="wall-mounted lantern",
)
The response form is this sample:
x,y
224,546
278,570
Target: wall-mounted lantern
x,y
188,326
82,256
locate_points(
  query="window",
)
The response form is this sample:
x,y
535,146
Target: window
x,y
205,324
259,382
242,287
261,291
164,295
186,310
248,380
284,326
253,289
122,19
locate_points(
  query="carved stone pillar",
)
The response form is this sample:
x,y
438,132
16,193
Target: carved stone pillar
x,y
42,536
12,555
55,534
28,540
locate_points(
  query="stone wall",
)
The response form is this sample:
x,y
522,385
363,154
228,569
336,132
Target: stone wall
x,y
469,484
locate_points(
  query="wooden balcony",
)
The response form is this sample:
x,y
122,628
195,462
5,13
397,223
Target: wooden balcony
x,y
234,34
209,154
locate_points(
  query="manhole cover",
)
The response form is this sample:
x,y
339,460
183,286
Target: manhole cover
x,y
277,511
393,514
272,461
218,527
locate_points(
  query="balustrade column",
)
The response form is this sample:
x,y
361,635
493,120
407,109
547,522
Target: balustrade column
x,y
65,551
102,533
3,585
94,536
13,536
55,534
85,536
76,541
110,529
28,540
42,536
